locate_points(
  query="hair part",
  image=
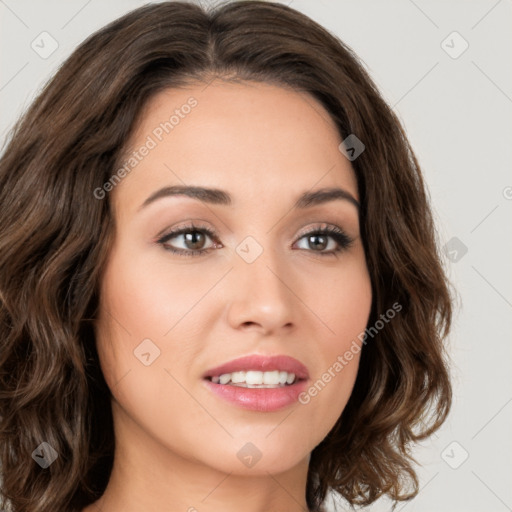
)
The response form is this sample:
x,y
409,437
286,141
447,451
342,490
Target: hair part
x,y
55,238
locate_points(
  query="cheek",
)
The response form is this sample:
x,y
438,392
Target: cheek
x,y
343,303
344,308
139,362
148,314
148,297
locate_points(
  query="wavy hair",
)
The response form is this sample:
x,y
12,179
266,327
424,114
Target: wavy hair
x,y
55,237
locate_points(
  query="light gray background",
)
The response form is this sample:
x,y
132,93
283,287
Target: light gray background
x,y
457,112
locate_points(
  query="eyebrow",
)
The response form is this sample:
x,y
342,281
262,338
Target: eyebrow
x,y
220,197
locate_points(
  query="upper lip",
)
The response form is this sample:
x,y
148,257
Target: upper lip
x,y
261,363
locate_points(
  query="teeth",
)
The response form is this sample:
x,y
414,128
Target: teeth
x,y
237,377
224,379
253,379
271,377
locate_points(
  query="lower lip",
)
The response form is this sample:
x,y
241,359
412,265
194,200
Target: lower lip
x,y
259,399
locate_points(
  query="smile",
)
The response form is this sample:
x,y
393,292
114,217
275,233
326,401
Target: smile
x,y
255,379
259,383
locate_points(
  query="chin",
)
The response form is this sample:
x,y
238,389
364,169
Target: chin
x,y
258,456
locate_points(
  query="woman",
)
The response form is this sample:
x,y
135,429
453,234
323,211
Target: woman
x,y
220,279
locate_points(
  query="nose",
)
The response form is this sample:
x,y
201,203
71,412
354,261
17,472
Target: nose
x,y
262,296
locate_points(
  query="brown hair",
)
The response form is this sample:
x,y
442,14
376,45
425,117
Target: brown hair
x,y
55,236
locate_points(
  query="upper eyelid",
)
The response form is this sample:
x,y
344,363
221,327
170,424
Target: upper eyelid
x,y
185,229
213,231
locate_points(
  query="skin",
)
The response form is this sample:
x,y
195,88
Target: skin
x,y
176,441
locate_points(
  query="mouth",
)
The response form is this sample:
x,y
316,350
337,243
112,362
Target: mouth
x,y
260,383
259,370
256,379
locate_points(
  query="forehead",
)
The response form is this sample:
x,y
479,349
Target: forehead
x,y
246,137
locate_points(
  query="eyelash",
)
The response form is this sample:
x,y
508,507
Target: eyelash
x,y
342,239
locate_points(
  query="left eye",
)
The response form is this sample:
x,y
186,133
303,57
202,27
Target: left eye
x,y
320,240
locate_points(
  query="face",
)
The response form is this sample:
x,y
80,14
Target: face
x,y
193,284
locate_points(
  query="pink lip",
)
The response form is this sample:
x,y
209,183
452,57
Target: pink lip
x,y
260,399
262,364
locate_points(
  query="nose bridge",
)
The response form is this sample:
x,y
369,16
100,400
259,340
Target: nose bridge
x,y
260,265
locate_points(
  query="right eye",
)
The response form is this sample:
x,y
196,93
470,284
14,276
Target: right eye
x,y
192,237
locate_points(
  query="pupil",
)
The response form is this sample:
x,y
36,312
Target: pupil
x,y
192,237
322,244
